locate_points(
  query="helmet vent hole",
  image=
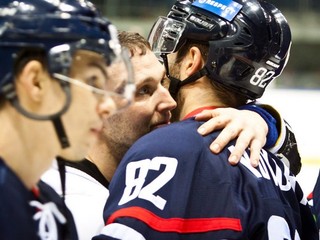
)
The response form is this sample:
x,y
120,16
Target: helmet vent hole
x,y
178,12
238,44
246,31
244,39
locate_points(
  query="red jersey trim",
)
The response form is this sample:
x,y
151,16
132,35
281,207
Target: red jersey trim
x,y
36,192
180,225
198,110
310,196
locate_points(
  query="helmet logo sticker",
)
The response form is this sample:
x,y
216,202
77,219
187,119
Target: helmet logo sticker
x,y
226,9
201,22
272,64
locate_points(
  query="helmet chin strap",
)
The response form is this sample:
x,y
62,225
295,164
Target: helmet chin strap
x,y
175,83
10,94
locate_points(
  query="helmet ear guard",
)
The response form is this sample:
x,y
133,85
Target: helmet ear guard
x,y
249,41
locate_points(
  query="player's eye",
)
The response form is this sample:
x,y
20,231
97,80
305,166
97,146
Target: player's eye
x,y
145,90
93,81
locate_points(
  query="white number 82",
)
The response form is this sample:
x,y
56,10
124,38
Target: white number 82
x,y
262,77
134,184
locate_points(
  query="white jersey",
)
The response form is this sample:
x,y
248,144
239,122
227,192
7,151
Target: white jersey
x,y
84,196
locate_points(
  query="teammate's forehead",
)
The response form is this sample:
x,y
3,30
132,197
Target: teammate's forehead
x,y
84,58
147,67
86,54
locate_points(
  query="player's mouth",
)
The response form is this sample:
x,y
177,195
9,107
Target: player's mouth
x,y
96,129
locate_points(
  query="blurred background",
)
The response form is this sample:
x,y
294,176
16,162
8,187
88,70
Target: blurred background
x,y
296,93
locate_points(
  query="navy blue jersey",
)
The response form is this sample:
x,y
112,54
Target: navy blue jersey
x,y
170,186
315,197
38,214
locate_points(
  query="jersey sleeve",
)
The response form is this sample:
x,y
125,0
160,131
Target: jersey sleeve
x,y
280,139
314,199
286,147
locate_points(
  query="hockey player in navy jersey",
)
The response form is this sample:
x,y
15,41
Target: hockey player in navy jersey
x,y
314,199
169,185
56,61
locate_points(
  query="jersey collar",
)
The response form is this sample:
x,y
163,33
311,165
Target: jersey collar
x,y
198,110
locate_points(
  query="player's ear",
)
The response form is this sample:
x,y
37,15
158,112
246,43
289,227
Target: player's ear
x,y
194,61
31,80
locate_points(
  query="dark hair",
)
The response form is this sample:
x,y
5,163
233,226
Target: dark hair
x,y
27,55
20,61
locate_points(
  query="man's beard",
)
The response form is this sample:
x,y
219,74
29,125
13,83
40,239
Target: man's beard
x,y
175,72
175,117
115,138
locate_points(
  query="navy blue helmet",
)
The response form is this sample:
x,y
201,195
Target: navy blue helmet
x,y
58,27
249,41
